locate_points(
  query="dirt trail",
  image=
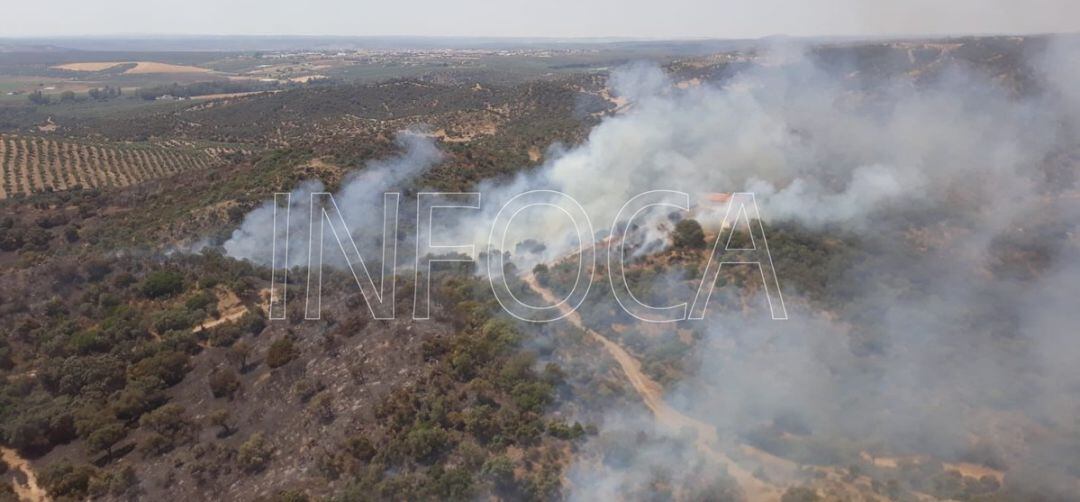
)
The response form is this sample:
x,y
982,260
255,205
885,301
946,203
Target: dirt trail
x,y
229,307
652,394
31,491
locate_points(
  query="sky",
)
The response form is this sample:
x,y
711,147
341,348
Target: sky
x,y
539,18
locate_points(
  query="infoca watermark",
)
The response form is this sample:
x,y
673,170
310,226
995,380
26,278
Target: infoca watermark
x,y
379,292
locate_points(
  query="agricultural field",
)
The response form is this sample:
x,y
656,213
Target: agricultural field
x,y
35,164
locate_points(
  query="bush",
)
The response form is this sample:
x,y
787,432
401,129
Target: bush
x,y
532,396
564,431
254,454
168,366
224,335
221,418
140,396
200,300
162,283
224,383
280,353
500,472
800,494
63,480
169,426
105,437
290,496
688,234
177,319
425,443
360,448
252,323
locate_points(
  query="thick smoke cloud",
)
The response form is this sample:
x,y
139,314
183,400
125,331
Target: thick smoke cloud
x,y
360,201
956,338
810,147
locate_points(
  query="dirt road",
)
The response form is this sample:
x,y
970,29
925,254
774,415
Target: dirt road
x,y
652,394
30,491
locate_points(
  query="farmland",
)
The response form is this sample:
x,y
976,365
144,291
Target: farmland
x,y
34,164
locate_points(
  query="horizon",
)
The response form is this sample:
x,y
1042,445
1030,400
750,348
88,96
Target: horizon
x,y
225,43
557,19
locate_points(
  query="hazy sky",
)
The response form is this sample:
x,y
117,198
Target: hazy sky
x,y
548,18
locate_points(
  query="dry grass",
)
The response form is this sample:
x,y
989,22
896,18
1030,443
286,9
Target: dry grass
x,y
99,66
151,67
141,67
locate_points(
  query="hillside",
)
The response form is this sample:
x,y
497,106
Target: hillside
x,y
917,199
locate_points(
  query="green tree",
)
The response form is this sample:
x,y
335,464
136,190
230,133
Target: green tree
x,y
499,471
162,283
105,437
169,426
425,442
688,234
66,481
239,354
168,366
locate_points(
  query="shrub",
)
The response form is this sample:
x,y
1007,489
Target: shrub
x,y
360,448
254,453
63,480
564,431
221,418
105,437
169,427
238,354
424,443
200,300
532,396
168,366
800,494
140,396
290,496
688,234
500,472
162,283
306,388
280,353
323,407
225,335
252,323
223,383
177,319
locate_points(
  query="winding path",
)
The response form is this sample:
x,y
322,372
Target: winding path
x,y
31,491
651,393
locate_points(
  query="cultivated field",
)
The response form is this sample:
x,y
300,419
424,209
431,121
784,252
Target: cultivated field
x,y
30,164
151,67
87,66
141,67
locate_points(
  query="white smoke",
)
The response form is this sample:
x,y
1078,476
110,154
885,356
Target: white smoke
x,y
937,351
811,149
360,201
